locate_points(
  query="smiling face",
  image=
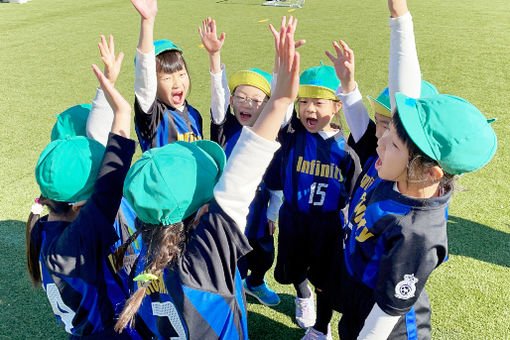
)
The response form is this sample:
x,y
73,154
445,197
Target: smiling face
x,y
247,103
173,78
316,113
393,156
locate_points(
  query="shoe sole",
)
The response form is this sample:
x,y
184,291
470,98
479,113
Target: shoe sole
x,y
262,302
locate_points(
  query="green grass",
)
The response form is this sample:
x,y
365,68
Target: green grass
x,y
46,48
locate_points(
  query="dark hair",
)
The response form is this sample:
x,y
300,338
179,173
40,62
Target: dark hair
x,y
419,161
164,245
33,236
170,62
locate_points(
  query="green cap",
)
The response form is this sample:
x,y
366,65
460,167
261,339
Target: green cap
x,y
382,105
171,183
67,168
253,77
72,122
318,82
163,45
449,130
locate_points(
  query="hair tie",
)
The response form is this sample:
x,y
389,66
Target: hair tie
x,y
37,208
145,279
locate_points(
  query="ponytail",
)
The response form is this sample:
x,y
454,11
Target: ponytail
x,y
118,255
165,244
33,234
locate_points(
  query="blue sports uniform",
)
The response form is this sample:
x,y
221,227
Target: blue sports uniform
x,y
125,227
85,291
161,125
391,246
316,176
260,260
199,296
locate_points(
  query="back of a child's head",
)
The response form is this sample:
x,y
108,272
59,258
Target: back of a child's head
x,y
444,130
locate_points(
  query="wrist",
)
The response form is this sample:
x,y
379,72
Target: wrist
x,y
348,86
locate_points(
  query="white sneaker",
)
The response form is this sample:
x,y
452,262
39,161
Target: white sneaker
x,y
305,310
313,334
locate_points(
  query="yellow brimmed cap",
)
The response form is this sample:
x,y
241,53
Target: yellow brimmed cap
x,y
253,77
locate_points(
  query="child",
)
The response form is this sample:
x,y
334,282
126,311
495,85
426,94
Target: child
x,y
397,233
246,94
69,251
318,171
194,292
162,83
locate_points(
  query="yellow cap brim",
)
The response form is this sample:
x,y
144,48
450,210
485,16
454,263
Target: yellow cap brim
x,y
379,108
314,91
251,78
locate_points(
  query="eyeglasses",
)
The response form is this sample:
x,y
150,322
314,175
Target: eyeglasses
x,y
250,101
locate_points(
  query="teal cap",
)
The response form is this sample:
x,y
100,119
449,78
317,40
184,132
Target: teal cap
x,y
318,82
170,183
72,122
67,168
163,45
253,77
449,130
382,104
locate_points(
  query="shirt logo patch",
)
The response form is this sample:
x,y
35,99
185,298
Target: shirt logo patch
x,y
406,288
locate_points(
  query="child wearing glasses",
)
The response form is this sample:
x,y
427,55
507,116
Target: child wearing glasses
x,y
236,103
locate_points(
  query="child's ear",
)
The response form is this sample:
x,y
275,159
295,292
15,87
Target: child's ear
x,y
231,100
78,205
435,173
338,106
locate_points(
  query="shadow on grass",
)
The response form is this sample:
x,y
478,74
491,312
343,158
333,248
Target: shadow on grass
x,y
24,311
269,328
468,238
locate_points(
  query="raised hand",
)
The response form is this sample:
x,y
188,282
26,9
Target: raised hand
x,y
111,62
344,65
287,84
121,108
147,8
276,36
212,43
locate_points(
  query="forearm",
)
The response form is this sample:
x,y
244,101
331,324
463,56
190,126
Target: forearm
x,y
404,67
146,39
270,120
355,111
246,165
290,108
99,122
378,325
146,83
220,95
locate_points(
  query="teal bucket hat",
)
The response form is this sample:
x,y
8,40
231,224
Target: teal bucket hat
x,y
318,82
449,130
72,122
67,168
163,45
382,104
170,183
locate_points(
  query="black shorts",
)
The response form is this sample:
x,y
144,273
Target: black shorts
x,y
306,244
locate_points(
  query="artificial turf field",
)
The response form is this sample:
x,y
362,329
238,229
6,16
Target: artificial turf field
x,y
46,48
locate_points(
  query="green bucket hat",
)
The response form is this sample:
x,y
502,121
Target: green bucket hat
x,y
382,104
318,82
72,122
67,168
253,77
163,45
448,129
171,183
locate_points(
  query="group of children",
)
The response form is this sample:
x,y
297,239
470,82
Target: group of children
x,y
163,248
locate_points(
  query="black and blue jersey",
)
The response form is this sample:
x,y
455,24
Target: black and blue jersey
x,y
86,293
161,125
199,296
392,244
317,174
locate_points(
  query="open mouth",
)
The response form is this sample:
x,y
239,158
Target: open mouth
x,y
378,163
311,122
177,97
244,116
